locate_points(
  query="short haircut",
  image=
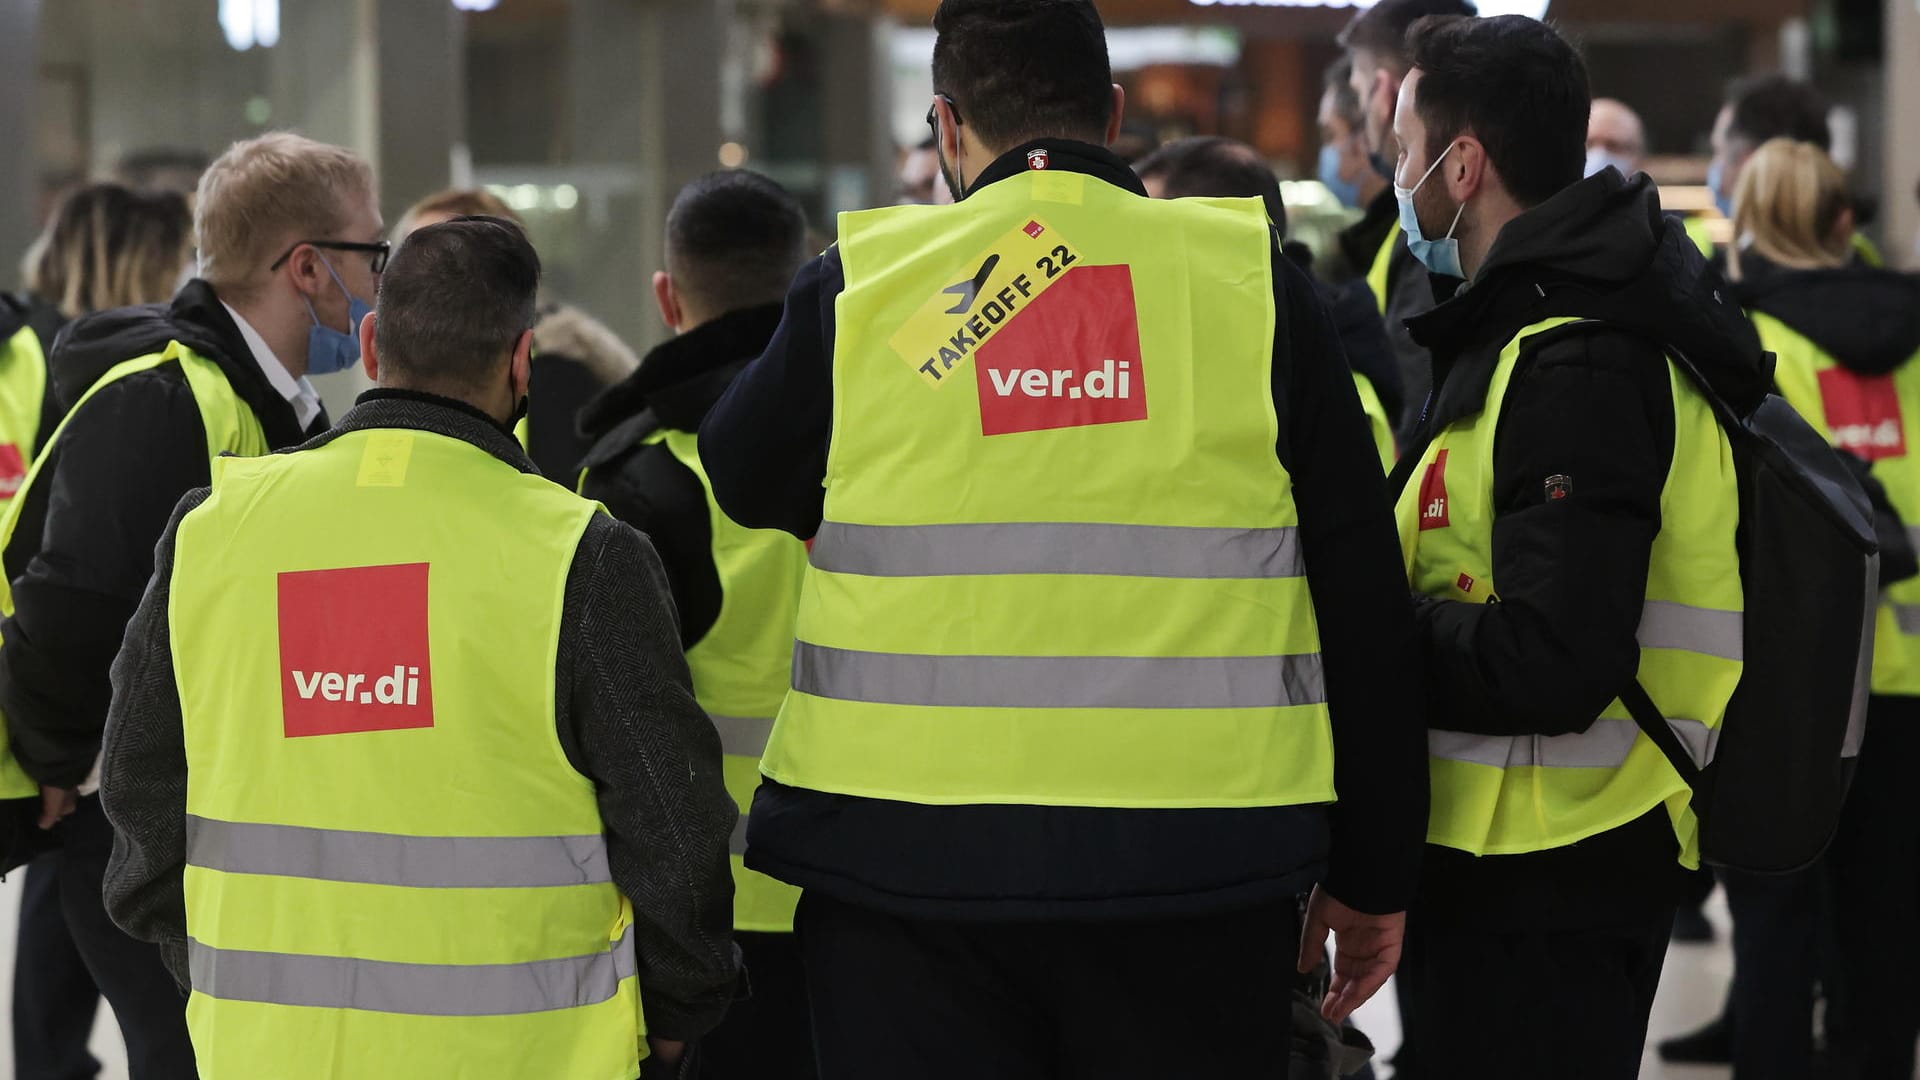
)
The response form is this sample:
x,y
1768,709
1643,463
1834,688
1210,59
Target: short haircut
x,y
1517,86
1212,166
458,202
734,240
267,193
107,247
1776,107
1381,30
1018,70
453,301
161,168
1346,103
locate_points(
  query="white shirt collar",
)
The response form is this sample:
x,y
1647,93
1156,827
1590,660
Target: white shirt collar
x,y
298,392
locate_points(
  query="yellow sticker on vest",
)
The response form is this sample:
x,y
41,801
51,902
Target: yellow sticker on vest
x,y
1000,282
384,461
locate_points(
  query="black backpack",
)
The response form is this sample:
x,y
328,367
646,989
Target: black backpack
x,y
1769,799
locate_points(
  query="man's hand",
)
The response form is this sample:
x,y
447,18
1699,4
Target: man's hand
x,y
1366,951
56,803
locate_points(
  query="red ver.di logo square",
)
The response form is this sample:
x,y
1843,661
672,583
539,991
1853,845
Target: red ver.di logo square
x,y
1070,359
354,654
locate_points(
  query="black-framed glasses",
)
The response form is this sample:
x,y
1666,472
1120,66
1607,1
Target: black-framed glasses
x,y
933,116
378,249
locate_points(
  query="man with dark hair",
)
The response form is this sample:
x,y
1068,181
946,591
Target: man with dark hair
x,y
1373,249
402,741
1567,471
1759,108
1097,601
1346,163
734,240
1210,166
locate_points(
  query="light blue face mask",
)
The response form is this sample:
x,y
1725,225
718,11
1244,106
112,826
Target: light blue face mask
x,y
1441,256
1348,194
329,350
1716,174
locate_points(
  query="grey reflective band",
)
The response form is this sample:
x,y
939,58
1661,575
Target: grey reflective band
x,y
1913,536
423,862
1907,617
340,982
1015,547
1603,746
737,842
743,736
1060,682
1667,625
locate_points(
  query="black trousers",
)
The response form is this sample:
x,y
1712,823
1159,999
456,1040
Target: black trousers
x,y
54,998
769,1034
1527,1005
1873,1001
150,1006
1776,961
896,998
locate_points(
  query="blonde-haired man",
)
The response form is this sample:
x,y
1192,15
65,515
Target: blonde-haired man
x,y
289,234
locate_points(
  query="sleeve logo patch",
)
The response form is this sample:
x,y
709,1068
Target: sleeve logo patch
x,y
1863,414
354,653
1071,360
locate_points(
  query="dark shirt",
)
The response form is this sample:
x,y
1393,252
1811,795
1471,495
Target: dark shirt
x,y
765,447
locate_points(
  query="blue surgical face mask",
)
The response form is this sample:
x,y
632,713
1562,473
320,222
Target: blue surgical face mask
x,y
1441,256
1348,194
1716,176
329,350
1599,158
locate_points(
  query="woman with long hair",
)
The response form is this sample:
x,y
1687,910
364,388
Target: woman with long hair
x,y
1847,338
105,247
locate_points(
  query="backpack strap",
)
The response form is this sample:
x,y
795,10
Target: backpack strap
x,y
1654,724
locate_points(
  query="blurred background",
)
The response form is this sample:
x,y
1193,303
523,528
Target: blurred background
x,y
586,115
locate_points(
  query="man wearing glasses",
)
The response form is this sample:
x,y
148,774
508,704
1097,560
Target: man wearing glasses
x,y
288,232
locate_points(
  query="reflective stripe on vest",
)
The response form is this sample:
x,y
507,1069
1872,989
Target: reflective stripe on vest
x,y
230,426
1041,579
1509,795
1876,418
739,669
1382,267
393,869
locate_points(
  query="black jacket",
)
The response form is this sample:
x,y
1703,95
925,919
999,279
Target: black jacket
x,y
625,717
83,549
575,357
646,486
1868,320
1596,407
765,446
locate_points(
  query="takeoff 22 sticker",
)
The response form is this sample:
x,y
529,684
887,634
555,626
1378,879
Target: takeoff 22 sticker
x,y
1054,342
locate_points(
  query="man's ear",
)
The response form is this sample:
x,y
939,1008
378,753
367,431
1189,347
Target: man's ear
x,y
520,368
369,355
1114,122
669,300
1466,169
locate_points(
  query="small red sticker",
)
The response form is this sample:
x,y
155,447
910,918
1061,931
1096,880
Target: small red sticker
x,y
1034,229
354,653
1863,413
13,470
1433,494
1465,583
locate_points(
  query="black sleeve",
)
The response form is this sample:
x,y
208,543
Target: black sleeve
x,y
652,491
143,773
1359,589
120,467
765,444
1570,573
628,721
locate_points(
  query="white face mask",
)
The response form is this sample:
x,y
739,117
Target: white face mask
x,y
1599,157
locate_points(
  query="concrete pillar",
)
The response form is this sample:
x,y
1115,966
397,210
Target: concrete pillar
x,y
856,100
1900,149
19,182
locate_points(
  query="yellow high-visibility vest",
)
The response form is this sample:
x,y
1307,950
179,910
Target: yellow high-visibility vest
x,y
740,672
1379,424
1059,561
1500,795
1873,417
23,391
1382,264
231,428
392,868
